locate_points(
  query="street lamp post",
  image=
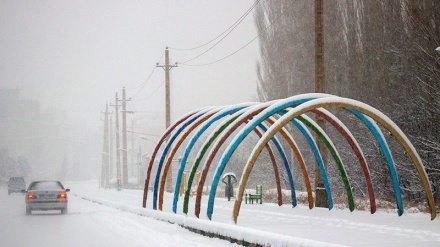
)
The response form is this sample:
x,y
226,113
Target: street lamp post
x,y
143,169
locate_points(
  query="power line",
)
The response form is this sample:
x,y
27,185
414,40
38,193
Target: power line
x,y
221,59
232,26
210,48
160,86
238,50
148,79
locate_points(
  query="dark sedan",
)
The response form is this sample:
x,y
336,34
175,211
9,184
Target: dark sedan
x,y
46,195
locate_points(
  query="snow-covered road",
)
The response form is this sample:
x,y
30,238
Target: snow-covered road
x,y
88,224
99,217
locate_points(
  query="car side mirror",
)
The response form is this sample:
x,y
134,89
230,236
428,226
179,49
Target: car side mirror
x,y
67,190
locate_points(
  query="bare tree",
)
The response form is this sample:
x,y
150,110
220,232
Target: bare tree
x,y
378,52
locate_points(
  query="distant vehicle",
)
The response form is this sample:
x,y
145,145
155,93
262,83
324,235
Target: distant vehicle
x,y
46,195
16,184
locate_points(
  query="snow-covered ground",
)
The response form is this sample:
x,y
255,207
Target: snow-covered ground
x,y
99,217
89,224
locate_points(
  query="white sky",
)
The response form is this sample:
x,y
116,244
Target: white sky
x,y
75,55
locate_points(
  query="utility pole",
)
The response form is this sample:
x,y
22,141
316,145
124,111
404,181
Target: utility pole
x,y
110,170
132,170
118,157
139,165
124,140
167,67
105,152
104,164
320,87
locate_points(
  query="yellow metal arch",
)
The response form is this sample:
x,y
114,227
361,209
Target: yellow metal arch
x,y
341,103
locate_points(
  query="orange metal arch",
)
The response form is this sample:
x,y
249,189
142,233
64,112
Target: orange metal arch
x,y
174,150
193,126
215,149
156,149
341,103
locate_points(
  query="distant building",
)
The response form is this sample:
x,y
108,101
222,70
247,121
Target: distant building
x,y
20,122
25,130
48,138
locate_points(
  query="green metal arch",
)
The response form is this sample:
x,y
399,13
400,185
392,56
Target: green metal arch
x,y
341,103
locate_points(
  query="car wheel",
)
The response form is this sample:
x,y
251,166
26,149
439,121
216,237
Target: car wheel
x,y
28,211
64,210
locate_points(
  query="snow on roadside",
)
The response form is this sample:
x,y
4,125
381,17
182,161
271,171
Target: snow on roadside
x,y
226,230
282,225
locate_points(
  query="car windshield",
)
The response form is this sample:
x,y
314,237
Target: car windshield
x,y
44,185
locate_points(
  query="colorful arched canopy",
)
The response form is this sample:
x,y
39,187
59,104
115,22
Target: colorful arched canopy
x,y
255,117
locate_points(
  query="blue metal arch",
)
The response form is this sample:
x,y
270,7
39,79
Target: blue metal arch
x,y
387,153
167,147
239,109
286,165
292,101
302,128
224,112
276,107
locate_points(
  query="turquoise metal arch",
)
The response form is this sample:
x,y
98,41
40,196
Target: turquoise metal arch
x,y
282,104
346,133
274,108
168,146
250,113
309,137
222,127
280,149
346,104
302,100
331,147
156,150
222,113
209,140
388,156
194,138
349,137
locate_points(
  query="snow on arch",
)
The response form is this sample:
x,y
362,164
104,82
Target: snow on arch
x,y
209,140
331,147
205,125
243,118
168,145
156,150
186,126
283,104
341,103
323,100
346,133
269,111
180,138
